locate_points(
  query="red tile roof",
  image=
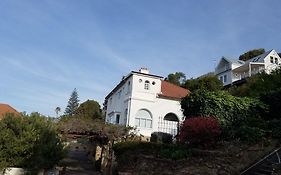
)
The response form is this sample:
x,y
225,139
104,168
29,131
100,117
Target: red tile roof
x,y
5,108
169,90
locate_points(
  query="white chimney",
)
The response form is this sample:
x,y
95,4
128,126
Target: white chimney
x,y
144,70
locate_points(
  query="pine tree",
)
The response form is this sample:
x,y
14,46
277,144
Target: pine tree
x,y
73,103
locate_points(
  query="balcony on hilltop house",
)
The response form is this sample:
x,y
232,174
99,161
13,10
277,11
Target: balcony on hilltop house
x,y
247,70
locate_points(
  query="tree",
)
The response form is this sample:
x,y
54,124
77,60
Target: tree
x,y
210,83
177,78
30,142
89,109
57,110
73,103
251,54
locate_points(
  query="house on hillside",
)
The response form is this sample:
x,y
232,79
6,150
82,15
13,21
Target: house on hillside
x,y
230,70
147,102
5,108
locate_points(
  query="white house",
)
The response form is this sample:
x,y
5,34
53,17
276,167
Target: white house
x,y
147,102
229,70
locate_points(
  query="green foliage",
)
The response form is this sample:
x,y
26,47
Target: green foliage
x,y
73,103
259,84
124,149
161,137
211,83
249,134
275,126
227,108
30,142
89,109
234,113
251,54
177,78
273,100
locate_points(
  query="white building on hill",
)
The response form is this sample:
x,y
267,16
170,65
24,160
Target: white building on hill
x,y
147,102
229,70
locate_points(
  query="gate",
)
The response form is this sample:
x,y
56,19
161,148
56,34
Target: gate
x,y
169,124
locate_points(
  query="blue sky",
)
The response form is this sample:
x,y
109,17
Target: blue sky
x,y
50,47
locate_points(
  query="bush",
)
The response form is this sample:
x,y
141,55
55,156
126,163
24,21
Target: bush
x,y
30,142
124,150
275,127
161,137
202,131
225,107
249,134
273,100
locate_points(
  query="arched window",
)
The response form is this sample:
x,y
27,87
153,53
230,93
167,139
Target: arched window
x,y
146,85
143,119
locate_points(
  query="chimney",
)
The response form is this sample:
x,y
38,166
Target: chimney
x,y
144,70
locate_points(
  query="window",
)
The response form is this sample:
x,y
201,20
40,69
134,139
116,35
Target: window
x,y
271,59
117,118
146,85
126,114
224,78
153,83
221,78
276,60
143,119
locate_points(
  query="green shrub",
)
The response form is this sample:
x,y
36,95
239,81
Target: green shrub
x,y
249,134
227,108
273,100
126,150
30,142
161,137
275,127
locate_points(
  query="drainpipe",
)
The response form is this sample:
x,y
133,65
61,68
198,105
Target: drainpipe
x,y
250,71
128,111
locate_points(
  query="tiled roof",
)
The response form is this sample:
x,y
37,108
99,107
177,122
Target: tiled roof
x,y
5,108
169,90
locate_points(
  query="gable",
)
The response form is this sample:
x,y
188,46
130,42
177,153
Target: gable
x,y
223,63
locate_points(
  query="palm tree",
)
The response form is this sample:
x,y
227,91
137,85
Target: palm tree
x,y
57,110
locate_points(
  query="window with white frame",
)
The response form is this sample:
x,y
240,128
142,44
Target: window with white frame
x,y
146,85
224,78
143,119
276,60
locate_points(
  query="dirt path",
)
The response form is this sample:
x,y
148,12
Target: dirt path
x,y
77,163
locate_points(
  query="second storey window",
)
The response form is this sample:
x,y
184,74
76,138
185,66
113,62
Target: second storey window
x,y
146,85
276,60
224,78
271,59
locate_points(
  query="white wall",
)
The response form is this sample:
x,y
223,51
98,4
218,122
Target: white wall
x,y
228,77
139,98
269,67
118,103
158,109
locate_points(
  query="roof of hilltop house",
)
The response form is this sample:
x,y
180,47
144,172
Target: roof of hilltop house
x,y
5,108
171,91
259,58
